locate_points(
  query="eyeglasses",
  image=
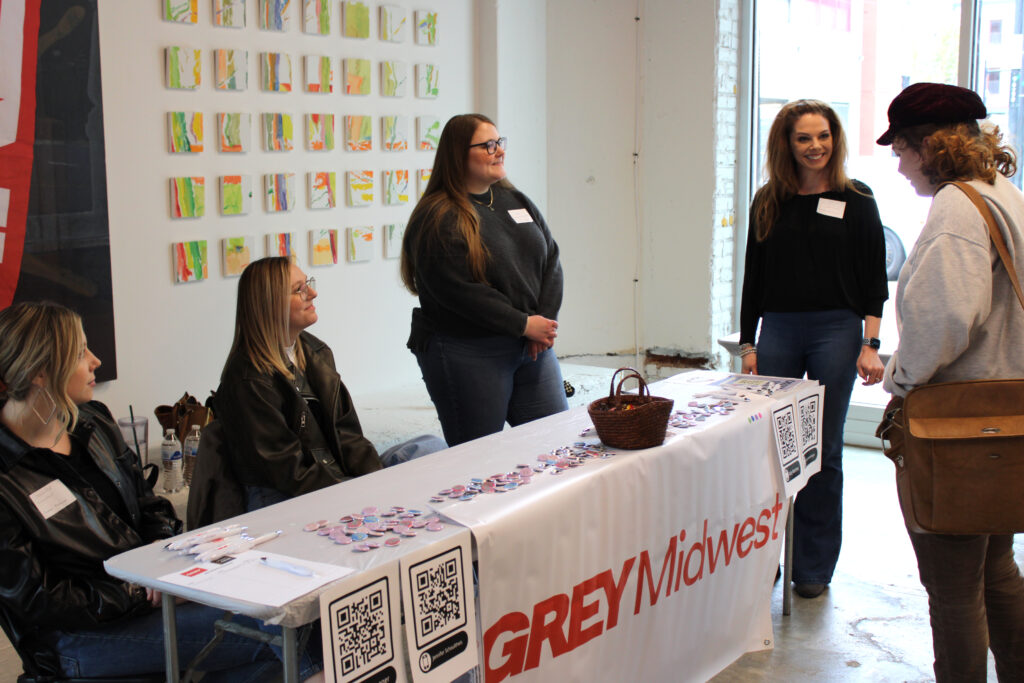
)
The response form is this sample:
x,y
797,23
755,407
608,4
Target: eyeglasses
x,y
303,290
492,145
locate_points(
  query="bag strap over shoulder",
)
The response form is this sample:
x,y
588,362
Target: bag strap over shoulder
x,y
993,231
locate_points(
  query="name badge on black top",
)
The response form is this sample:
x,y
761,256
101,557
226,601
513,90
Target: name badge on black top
x,y
520,215
831,207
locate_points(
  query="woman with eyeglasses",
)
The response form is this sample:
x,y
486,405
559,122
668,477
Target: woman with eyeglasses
x,y
485,266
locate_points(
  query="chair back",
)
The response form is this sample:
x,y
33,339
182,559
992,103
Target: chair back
x,y
216,493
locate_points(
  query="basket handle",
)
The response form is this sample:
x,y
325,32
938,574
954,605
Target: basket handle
x,y
616,390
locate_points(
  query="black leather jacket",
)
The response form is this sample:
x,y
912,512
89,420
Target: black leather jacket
x,y
51,569
272,437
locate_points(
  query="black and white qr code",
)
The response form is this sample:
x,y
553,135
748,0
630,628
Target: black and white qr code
x,y
785,433
809,421
362,630
438,596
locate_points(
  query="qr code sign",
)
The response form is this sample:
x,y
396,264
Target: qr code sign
x,y
809,421
785,434
362,630
439,596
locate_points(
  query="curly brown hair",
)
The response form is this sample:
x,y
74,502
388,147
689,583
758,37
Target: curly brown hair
x,y
960,151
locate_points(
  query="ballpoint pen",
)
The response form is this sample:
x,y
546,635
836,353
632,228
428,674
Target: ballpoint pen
x,y
214,543
204,536
297,569
236,547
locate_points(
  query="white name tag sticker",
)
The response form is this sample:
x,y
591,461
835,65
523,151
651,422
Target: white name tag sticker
x,y
831,207
52,498
520,215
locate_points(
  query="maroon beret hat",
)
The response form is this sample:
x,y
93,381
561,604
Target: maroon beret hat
x,y
932,103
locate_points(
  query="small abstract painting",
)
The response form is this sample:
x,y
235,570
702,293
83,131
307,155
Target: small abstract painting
x,y
238,252
188,197
234,131
359,188
229,13
393,78
358,133
189,261
392,235
185,130
319,74
182,11
320,132
394,133
183,68
426,27
355,20
279,192
357,76
235,195
281,244
396,187
360,243
278,134
427,81
428,132
422,178
276,68
323,189
231,69
393,23
274,15
316,17
323,247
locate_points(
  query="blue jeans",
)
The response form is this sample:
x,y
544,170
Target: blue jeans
x,y
825,346
136,646
478,384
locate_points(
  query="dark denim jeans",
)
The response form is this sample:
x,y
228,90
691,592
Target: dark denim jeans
x,y
825,346
976,602
479,384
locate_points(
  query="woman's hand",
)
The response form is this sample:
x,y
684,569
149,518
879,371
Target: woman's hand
x,y
541,330
869,366
534,348
749,362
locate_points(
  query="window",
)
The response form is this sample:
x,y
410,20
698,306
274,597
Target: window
x,y
992,82
995,31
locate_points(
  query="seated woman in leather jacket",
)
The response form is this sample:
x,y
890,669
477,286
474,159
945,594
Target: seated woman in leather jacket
x,y
72,496
288,421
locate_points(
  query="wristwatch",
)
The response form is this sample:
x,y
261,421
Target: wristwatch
x,y
873,342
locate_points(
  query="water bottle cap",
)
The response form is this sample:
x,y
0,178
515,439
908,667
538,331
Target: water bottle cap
x,y
169,432
195,428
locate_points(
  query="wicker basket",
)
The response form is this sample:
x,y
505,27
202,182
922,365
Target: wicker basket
x,y
630,421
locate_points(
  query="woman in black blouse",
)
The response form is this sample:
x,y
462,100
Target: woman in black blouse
x,y
815,278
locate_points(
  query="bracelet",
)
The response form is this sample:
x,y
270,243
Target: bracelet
x,y
747,351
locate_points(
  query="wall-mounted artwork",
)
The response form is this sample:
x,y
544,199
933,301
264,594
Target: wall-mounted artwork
x,y
185,131
359,188
183,67
393,23
188,197
396,187
279,192
235,195
278,134
394,133
276,68
238,253
234,131
316,17
422,178
428,132
229,13
231,69
323,189
281,244
182,11
393,78
427,77
319,74
426,27
355,19
357,76
274,14
391,235
323,247
320,132
360,243
189,261
358,133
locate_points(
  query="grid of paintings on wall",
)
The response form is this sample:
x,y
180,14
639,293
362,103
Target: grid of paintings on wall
x,y
413,74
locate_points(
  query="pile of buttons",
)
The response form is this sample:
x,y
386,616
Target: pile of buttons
x,y
699,412
361,529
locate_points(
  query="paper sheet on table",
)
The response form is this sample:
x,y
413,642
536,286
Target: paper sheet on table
x,y
244,577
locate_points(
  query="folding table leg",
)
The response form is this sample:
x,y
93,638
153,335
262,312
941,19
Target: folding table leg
x,y
787,573
170,637
291,656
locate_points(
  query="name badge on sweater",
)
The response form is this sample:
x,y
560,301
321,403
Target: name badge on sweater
x,y
52,498
520,215
831,207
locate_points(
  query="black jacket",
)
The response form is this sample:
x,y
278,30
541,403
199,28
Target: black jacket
x,y
272,438
51,569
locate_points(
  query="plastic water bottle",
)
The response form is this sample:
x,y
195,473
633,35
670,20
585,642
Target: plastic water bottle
x,y
170,454
191,452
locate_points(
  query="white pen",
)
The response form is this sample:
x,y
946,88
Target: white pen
x,y
287,566
236,547
203,536
215,543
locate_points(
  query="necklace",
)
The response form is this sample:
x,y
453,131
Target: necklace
x,y
490,204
